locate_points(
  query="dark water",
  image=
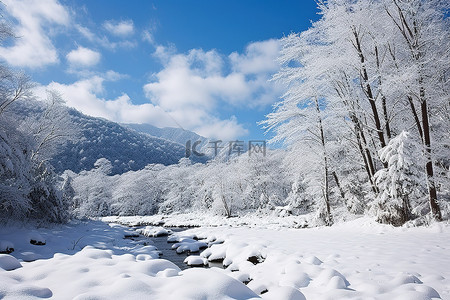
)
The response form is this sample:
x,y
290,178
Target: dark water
x,y
170,254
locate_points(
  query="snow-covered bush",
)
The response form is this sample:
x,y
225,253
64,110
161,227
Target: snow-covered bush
x,y
29,188
401,183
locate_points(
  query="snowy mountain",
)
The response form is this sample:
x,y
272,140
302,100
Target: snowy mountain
x,y
177,135
124,147
127,149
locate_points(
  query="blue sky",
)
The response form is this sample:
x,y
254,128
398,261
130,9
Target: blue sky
x,y
200,65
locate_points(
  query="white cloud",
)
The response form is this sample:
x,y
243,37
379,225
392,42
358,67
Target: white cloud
x,y
122,28
86,96
200,77
189,91
148,37
86,32
226,130
103,41
194,85
35,19
259,57
83,57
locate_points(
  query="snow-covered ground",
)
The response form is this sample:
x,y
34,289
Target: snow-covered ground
x,y
358,259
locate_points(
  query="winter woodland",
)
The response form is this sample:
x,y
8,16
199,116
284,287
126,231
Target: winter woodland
x,y
365,123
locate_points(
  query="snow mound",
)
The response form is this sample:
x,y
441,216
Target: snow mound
x,y
30,256
196,261
329,276
154,266
295,278
312,260
241,276
216,253
9,262
285,293
200,283
189,245
149,250
174,238
336,282
151,231
169,272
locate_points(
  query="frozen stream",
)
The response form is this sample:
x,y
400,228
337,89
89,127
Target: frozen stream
x,y
170,254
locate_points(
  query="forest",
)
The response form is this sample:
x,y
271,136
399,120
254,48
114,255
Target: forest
x,y
364,123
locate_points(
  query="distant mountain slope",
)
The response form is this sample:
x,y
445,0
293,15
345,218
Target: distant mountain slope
x,y
126,148
177,135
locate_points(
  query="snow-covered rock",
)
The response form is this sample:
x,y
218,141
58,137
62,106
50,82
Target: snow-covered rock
x,y
189,245
9,262
151,231
6,247
174,238
30,256
36,239
196,261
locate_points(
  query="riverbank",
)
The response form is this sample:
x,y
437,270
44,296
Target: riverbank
x,y
359,259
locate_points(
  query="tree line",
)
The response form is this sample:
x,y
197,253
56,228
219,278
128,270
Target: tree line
x,y
367,98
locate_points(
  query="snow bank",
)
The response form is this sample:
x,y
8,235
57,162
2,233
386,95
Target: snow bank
x,y
358,260
204,219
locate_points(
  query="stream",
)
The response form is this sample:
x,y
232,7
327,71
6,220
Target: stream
x,y
170,254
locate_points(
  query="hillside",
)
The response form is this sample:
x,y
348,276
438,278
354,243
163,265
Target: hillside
x,y
126,148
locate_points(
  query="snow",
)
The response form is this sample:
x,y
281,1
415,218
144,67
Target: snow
x,y
6,246
195,260
355,260
153,231
36,239
189,245
9,262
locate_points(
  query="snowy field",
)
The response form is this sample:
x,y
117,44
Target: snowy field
x,y
358,259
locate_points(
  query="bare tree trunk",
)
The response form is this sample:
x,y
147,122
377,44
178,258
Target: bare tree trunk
x,y
225,205
341,191
416,117
432,194
327,218
368,89
359,134
224,202
383,98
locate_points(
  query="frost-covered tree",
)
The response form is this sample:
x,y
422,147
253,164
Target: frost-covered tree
x,y
15,173
424,57
51,126
401,182
377,68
